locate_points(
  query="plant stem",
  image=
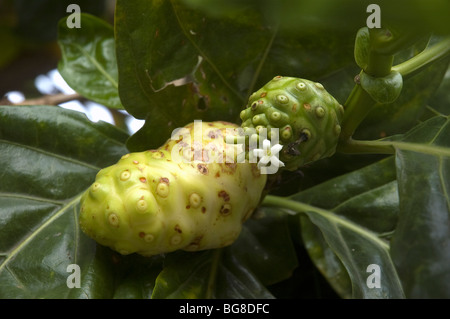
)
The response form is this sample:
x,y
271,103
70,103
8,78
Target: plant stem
x,y
48,100
379,64
423,59
390,147
357,106
299,207
277,201
366,147
359,102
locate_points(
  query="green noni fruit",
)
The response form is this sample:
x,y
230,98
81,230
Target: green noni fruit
x,y
187,194
307,118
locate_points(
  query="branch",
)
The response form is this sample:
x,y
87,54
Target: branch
x,y
46,100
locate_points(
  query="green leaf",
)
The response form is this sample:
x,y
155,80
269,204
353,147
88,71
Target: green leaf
x,y
441,99
160,43
325,259
177,64
358,249
356,211
49,156
242,270
88,63
421,243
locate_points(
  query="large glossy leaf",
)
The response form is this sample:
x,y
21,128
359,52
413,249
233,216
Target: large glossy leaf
x,y
421,243
88,62
361,207
49,156
242,270
393,216
161,42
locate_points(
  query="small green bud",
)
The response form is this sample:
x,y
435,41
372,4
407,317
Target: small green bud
x,y
382,89
307,116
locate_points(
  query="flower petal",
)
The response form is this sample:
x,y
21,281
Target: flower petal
x,y
276,149
266,145
264,160
276,162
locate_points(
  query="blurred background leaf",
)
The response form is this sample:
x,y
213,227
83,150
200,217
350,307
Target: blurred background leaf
x,y
88,62
28,31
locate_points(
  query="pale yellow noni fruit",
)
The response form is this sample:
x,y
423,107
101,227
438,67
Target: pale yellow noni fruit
x,y
189,194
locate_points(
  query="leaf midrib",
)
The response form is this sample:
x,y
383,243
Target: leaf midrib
x,y
28,239
299,207
204,56
50,154
96,64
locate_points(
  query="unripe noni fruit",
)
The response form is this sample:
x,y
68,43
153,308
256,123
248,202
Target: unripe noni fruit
x,y
187,194
307,118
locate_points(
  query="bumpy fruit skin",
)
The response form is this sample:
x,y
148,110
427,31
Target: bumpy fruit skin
x,y
307,116
149,203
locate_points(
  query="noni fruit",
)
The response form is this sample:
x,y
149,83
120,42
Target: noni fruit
x,y
189,194
306,116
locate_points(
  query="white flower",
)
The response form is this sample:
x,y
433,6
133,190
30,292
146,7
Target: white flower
x,y
269,154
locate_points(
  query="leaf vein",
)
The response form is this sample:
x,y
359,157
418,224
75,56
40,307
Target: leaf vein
x,y
50,154
28,239
204,56
97,65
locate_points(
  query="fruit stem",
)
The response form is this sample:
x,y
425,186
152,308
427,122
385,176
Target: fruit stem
x,y
357,106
